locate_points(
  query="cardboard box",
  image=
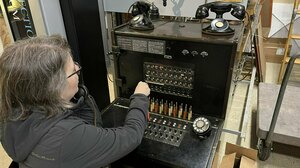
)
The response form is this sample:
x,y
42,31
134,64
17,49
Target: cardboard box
x,y
215,162
274,49
231,0
4,34
237,156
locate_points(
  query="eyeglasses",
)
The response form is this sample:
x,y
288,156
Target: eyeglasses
x,y
76,71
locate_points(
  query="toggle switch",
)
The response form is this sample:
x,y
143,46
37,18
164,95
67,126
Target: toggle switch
x,y
185,52
194,53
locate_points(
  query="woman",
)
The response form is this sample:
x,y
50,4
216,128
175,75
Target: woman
x,y
41,127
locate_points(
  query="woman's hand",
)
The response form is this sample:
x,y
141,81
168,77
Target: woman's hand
x,y
142,88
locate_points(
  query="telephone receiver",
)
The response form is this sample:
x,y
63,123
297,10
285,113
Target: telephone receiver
x,y
140,7
82,91
142,13
220,26
80,96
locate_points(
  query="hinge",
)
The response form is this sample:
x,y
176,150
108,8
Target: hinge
x,y
119,82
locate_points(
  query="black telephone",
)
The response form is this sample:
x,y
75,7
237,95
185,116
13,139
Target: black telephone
x,y
142,13
220,26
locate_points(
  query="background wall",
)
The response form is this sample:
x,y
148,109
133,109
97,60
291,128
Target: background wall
x,y
281,16
184,8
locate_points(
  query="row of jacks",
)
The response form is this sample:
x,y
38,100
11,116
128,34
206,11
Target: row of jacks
x,y
171,109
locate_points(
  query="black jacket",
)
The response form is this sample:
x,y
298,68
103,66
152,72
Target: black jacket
x,y
69,141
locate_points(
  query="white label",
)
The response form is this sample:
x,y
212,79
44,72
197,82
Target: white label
x,y
280,51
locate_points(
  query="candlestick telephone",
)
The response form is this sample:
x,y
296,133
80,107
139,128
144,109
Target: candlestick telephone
x,y
220,26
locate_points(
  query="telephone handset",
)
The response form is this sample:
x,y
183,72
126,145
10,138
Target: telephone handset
x,y
142,13
220,26
140,7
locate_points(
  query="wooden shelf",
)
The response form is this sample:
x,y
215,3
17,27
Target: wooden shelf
x,y
295,36
291,36
297,61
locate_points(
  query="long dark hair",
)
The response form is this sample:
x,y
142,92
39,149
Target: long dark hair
x,y
33,76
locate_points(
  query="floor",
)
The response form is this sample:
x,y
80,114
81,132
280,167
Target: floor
x,y
283,156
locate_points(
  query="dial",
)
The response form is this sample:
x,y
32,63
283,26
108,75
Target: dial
x,y
202,127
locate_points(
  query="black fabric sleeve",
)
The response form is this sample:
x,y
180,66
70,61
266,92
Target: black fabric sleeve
x,y
89,146
88,110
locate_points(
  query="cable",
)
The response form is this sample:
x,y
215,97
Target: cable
x,y
251,46
91,102
248,18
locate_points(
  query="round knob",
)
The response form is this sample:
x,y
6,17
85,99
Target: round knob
x,y
202,127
